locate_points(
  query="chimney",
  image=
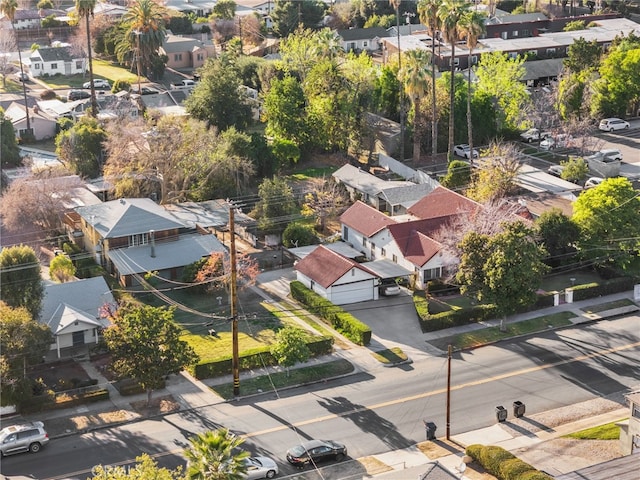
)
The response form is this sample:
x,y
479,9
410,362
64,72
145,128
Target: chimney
x,y
152,239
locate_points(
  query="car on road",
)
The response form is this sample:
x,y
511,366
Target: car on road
x,y
260,467
22,77
611,124
144,91
98,84
74,95
533,135
593,182
562,140
464,150
28,437
316,451
607,155
555,170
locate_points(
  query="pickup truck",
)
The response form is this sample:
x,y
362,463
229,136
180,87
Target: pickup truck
x,y
184,84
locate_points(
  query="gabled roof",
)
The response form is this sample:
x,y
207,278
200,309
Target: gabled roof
x,y
442,202
16,113
363,181
53,54
127,216
414,240
64,303
406,195
365,219
518,18
325,266
362,33
177,44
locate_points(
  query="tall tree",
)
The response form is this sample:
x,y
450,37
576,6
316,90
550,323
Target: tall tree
x,y
505,269
471,27
276,207
218,98
61,269
144,468
558,235
145,345
9,153
216,455
428,11
284,111
20,279
415,77
23,342
396,7
144,33
7,45
497,179
290,347
451,13
617,88
80,147
84,9
607,216
289,15
9,7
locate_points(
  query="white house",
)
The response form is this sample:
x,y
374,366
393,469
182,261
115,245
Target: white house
x,y
49,61
362,39
42,124
336,278
73,312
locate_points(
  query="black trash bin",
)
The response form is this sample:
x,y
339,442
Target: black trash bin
x,y
430,430
518,409
501,413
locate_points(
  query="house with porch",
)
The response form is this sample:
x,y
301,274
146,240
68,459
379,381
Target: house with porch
x,y
130,237
74,312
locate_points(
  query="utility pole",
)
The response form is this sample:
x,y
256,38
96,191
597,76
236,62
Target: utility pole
x,y
234,301
449,392
401,92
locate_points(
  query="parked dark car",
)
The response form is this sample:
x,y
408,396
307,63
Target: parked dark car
x,y
77,95
144,90
316,451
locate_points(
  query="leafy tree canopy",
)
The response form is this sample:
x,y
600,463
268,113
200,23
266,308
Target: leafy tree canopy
x,y
298,235
288,15
20,279
10,153
144,469
145,345
290,347
607,216
216,455
62,269
80,147
276,207
558,235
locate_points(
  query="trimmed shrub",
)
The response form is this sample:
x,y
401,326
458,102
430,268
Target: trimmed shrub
x,y
342,321
535,475
502,464
514,468
592,290
474,451
491,457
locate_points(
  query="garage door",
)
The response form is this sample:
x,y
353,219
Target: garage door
x,y
352,292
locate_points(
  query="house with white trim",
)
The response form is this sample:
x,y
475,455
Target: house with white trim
x,y
50,61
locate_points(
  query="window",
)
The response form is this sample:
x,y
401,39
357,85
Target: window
x,y
394,258
200,57
78,64
533,53
513,55
365,44
54,66
138,239
364,242
503,35
515,33
474,59
456,61
353,272
383,252
525,33
345,234
36,66
551,51
636,410
432,273
177,57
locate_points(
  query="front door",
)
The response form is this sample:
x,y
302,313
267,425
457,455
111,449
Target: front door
x,y
78,339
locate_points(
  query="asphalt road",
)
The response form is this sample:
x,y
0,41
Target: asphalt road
x,y
375,414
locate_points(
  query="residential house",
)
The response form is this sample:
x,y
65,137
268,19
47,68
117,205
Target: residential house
x,y
200,8
630,428
165,103
263,7
376,191
49,61
133,236
42,124
336,278
29,18
362,39
185,52
73,312
365,229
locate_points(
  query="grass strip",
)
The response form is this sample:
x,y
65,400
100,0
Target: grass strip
x,y
282,379
624,302
608,431
390,355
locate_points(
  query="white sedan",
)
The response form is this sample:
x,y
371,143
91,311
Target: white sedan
x,y
463,150
260,467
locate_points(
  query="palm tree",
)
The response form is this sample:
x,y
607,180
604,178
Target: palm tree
x,y
428,11
145,30
471,26
450,14
85,8
415,77
211,456
396,5
9,7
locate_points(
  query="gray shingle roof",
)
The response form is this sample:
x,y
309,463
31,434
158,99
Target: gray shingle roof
x,y
52,54
363,33
127,216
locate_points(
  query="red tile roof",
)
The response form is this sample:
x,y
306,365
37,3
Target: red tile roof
x,y
442,202
325,267
365,219
414,241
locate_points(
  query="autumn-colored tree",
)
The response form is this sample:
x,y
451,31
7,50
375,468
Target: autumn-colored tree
x,y
61,269
324,202
216,271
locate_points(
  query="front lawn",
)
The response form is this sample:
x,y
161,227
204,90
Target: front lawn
x,y
609,431
101,69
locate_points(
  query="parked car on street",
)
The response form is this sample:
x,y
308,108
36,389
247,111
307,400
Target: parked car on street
x,y
607,155
562,140
533,135
98,84
593,182
260,467
316,451
74,95
464,150
611,124
28,437
22,77
555,170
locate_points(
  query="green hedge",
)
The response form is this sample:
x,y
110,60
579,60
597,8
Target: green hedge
x,y
592,290
342,321
255,358
502,464
48,402
131,387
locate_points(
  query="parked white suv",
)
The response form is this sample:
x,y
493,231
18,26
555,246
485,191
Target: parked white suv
x,y
607,155
611,124
98,84
533,135
28,437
